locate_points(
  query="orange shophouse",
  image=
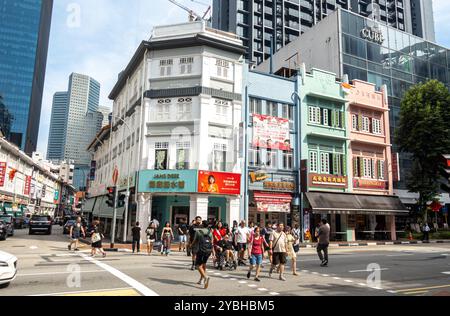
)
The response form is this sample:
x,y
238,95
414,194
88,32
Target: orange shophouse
x,y
371,177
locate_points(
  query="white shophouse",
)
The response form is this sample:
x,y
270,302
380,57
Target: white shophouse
x,y
175,129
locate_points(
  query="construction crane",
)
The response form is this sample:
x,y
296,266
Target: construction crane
x,y
193,16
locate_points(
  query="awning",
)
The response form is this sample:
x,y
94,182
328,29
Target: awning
x,y
355,204
89,205
102,210
273,198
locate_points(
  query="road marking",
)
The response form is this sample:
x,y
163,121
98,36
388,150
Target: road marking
x,y
362,284
423,289
252,285
336,278
33,247
217,273
305,271
448,272
115,293
226,276
243,282
417,292
233,279
325,275
355,271
52,273
263,290
348,281
274,293
392,292
401,255
78,292
122,276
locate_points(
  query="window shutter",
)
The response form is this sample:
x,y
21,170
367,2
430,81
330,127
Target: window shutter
x,y
335,159
344,165
355,167
342,122
372,162
333,118
361,167
325,117
319,116
310,114
360,122
379,169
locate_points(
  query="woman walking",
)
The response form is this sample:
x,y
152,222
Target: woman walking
x,y
257,247
96,239
151,237
291,240
166,237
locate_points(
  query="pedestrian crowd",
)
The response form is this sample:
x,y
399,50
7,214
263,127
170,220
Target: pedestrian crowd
x,y
228,247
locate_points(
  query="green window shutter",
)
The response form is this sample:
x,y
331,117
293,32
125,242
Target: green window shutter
x,y
344,165
372,161
342,114
333,118
361,166
379,169
335,163
360,122
355,167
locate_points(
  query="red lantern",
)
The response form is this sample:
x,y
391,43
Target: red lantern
x,y
436,206
12,174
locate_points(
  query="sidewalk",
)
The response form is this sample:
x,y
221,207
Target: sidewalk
x,y
127,247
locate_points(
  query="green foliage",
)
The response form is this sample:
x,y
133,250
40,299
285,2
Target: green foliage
x,y
424,133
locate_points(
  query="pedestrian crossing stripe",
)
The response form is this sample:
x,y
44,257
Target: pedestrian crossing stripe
x,y
124,292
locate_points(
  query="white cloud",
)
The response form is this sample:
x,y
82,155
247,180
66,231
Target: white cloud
x,y
442,21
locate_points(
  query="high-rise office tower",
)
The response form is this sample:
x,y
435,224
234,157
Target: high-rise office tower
x,y
24,37
257,22
75,121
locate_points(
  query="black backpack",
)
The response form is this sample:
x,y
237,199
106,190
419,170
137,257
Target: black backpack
x,y
205,243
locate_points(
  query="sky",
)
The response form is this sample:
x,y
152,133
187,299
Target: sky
x,y
98,38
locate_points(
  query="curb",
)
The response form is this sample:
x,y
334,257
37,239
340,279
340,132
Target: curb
x,y
387,243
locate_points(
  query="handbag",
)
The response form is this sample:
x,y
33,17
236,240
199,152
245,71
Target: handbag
x,y
96,238
296,248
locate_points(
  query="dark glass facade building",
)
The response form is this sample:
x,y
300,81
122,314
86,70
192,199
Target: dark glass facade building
x,y
24,37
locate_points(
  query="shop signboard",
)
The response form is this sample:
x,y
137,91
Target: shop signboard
x,y
271,132
219,183
3,167
327,181
263,181
273,202
167,181
27,187
369,184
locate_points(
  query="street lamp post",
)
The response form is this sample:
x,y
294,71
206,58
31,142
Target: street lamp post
x,y
128,189
295,95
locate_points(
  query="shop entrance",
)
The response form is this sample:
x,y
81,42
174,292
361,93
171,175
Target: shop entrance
x,y
213,214
264,219
179,213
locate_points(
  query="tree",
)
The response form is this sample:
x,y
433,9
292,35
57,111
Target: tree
x,y
424,133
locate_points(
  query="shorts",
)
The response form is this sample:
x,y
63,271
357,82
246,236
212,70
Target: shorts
x,y
242,246
256,260
202,258
150,241
278,258
183,238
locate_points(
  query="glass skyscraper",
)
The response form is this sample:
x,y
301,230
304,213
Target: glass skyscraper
x,y
24,37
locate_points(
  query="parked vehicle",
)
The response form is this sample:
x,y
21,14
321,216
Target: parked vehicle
x,y
9,221
3,231
40,223
8,269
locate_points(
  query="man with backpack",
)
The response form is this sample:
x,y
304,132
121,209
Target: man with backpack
x,y
203,242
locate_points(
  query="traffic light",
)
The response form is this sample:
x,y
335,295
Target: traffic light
x,y
121,201
111,196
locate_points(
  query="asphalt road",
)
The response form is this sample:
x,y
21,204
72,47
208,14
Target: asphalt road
x,y
46,267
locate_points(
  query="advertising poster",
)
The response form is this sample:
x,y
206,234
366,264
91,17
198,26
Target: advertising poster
x,y
219,183
271,132
3,167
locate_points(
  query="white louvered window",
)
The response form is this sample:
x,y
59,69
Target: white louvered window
x,y
184,109
219,157
222,108
368,166
313,161
354,122
366,124
325,163
314,115
222,68
325,117
381,170
376,126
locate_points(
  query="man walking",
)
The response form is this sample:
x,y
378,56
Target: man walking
x,y
75,233
323,236
242,238
194,247
204,245
136,232
182,231
426,232
278,250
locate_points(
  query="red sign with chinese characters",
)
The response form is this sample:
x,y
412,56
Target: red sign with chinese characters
x,y
369,184
219,183
27,188
3,167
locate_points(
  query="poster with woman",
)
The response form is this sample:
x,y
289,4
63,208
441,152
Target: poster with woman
x,y
271,132
219,183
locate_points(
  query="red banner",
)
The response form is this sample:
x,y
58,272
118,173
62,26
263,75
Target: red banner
x,y
271,132
370,184
3,167
219,183
27,187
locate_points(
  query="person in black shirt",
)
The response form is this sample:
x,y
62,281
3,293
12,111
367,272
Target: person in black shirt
x,y
136,231
194,248
182,231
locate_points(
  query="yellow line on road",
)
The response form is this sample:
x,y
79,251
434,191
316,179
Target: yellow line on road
x,y
424,288
126,292
418,292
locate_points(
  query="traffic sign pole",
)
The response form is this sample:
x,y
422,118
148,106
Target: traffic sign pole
x,y
114,219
